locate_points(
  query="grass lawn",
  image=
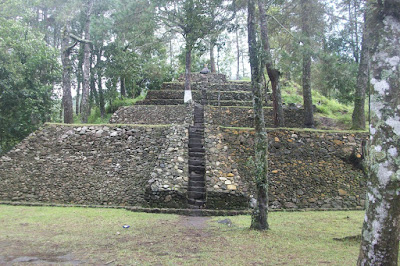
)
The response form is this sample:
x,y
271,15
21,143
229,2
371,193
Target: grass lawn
x,y
56,235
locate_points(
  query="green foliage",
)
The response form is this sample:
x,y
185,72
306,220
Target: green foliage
x,y
95,117
27,72
331,108
117,103
335,76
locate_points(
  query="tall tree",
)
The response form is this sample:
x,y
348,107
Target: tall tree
x,y
189,17
85,106
381,228
273,73
306,76
28,70
358,117
66,49
259,217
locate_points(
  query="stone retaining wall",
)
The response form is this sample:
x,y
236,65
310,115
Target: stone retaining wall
x,y
153,114
103,165
147,166
228,86
308,169
244,116
211,78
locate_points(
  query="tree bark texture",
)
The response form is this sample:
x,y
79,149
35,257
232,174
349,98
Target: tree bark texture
x,y
100,83
273,73
212,58
85,108
237,54
66,78
358,117
307,97
380,235
259,219
123,91
188,66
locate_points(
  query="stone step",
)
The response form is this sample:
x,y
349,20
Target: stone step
x,y
201,189
195,141
197,169
161,102
197,183
198,203
197,149
196,195
196,154
199,126
197,162
230,103
197,176
196,135
228,86
196,146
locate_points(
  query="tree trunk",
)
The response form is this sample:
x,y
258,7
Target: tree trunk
x,y
358,116
78,88
259,218
307,97
273,73
85,109
238,54
66,78
101,94
188,65
78,103
123,91
212,58
380,236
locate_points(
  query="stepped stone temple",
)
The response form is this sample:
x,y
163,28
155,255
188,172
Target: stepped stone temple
x,y
164,153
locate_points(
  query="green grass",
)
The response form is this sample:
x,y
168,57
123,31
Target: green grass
x,y
298,129
95,115
330,108
96,236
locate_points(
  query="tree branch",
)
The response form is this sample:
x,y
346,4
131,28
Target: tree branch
x,y
77,39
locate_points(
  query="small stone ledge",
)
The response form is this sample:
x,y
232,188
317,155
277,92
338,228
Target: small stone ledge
x,y
296,129
109,125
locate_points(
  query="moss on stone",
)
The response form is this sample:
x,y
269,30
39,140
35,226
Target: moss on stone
x,y
108,125
299,129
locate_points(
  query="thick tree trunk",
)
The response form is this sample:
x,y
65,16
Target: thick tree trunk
x,y
85,109
358,116
212,57
123,91
380,236
259,219
237,55
273,73
188,66
94,97
78,103
78,89
307,97
66,78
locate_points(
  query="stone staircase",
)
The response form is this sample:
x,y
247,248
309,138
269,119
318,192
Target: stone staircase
x,y
197,168
219,94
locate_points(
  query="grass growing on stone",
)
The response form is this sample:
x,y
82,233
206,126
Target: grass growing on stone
x,y
326,107
109,125
96,236
298,129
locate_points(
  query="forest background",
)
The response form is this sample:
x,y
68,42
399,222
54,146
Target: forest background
x,y
79,60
